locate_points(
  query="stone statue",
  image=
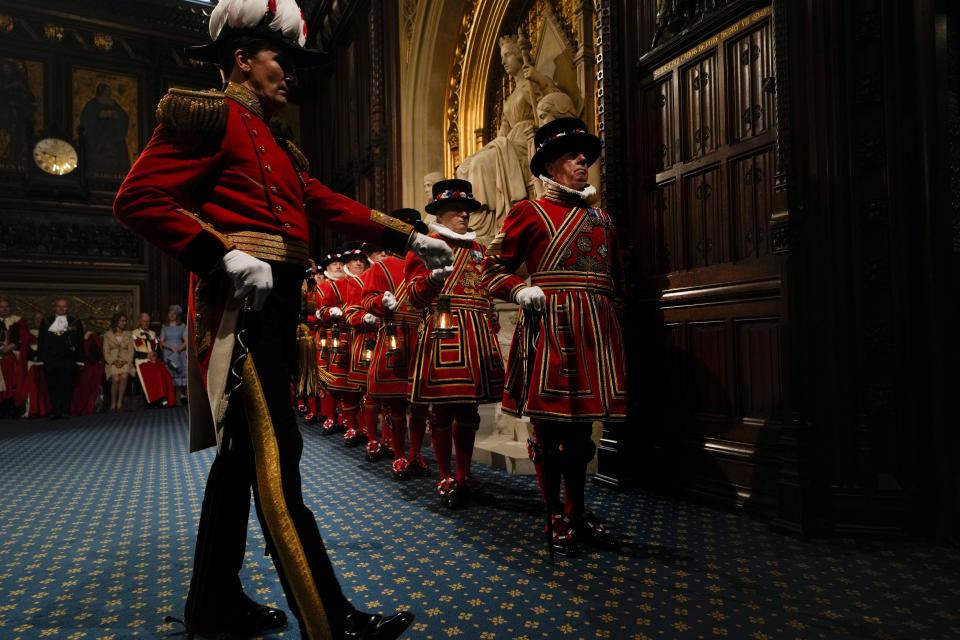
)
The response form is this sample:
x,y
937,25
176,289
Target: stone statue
x,y
500,171
555,104
428,181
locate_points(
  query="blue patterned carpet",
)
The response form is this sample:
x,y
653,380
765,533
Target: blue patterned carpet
x,y
98,516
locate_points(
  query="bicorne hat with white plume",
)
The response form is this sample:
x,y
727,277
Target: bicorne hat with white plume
x,y
277,21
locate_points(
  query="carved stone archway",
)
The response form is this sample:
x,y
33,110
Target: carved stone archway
x,y
428,32
450,66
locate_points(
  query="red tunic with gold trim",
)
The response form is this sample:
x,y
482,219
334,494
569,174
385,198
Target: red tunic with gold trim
x,y
389,375
321,327
337,372
577,370
466,367
213,178
360,332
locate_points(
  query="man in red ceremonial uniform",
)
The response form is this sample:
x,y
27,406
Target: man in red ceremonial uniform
x,y
567,363
216,189
306,387
154,376
332,271
458,364
347,394
388,382
363,336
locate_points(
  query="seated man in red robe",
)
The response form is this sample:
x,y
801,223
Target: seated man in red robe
x,y
154,376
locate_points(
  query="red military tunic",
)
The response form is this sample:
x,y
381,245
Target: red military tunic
x,y
360,332
213,178
321,327
389,375
467,367
336,376
578,364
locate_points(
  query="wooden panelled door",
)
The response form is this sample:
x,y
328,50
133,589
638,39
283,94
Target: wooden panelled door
x,y
708,119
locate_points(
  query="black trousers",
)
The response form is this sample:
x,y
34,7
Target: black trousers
x,y
215,589
61,377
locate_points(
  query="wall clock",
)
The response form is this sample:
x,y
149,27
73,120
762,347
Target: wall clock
x,y
55,156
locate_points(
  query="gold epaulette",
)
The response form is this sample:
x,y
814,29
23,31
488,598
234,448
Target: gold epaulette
x,y
190,112
390,222
297,156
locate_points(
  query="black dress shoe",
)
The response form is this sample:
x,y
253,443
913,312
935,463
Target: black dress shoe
x,y
369,626
252,621
594,532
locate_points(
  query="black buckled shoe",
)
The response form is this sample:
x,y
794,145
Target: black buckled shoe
x,y
369,626
252,621
450,494
564,539
400,469
374,451
418,467
329,427
595,533
353,437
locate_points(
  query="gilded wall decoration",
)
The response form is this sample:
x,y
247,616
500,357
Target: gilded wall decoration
x,y
106,105
103,41
94,304
21,109
456,73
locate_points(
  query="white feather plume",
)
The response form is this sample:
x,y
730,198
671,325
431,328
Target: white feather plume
x,y
237,14
289,21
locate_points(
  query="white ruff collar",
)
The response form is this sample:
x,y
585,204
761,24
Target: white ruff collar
x,y
449,233
332,276
588,192
59,324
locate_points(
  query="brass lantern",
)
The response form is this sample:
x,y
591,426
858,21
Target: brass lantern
x,y
394,341
366,354
443,319
324,346
336,344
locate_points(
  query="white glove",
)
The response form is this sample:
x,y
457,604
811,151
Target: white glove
x,y
248,274
336,312
531,299
316,314
369,318
434,252
389,301
439,276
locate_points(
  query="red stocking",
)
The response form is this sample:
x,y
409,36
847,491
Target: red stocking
x,y
349,405
398,419
418,426
441,434
371,415
463,436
